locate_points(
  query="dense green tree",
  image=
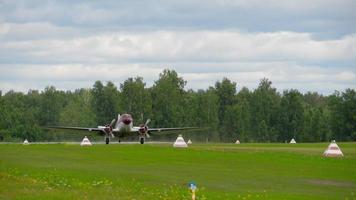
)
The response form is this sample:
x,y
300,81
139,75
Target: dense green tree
x,y
203,112
11,113
105,102
206,114
290,115
264,106
78,112
343,114
314,99
261,115
243,117
316,124
348,108
135,99
18,120
225,91
52,102
229,128
337,119
191,105
167,99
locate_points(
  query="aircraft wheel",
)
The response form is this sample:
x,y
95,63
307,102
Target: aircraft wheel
x,y
142,140
107,140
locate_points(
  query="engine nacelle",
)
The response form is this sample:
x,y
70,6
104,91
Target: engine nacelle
x,y
143,129
108,129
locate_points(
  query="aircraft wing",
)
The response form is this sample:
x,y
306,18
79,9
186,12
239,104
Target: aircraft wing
x,y
75,128
150,130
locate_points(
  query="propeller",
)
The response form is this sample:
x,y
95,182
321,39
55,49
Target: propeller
x,y
109,127
144,128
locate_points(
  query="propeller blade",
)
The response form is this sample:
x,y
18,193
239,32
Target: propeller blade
x,y
112,122
148,121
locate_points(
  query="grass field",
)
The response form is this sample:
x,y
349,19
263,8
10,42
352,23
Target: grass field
x,y
221,171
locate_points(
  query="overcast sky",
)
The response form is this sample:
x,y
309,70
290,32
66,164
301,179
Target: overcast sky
x,y
309,45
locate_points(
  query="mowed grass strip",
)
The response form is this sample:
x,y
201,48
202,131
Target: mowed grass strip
x,y
222,171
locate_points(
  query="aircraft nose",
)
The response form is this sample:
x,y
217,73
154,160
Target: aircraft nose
x,y
127,121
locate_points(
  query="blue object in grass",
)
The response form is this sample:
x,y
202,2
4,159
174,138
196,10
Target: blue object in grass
x,y
192,186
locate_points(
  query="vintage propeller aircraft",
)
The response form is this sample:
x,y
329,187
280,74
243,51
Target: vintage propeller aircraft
x,y
123,127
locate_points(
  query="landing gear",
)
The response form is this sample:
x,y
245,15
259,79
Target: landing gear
x,y
107,140
142,140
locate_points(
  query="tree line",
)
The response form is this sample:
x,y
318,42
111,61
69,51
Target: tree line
x,y
261,115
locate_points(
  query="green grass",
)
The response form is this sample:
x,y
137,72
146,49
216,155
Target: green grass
x,y
221,171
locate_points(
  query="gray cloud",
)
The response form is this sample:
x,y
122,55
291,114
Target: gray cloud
x,y
303,44
283,74
181,46
322,17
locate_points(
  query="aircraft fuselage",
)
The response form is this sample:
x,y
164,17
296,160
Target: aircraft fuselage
x,y
123,126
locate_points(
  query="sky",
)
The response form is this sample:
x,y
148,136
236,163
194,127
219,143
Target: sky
x,y
309,45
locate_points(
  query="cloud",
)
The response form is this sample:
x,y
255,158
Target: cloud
x,y
171,46
335,18
76,72
36,31
289,5
284,75
308,45
202,57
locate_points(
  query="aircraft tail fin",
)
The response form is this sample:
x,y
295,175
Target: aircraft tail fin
x,y
117,121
